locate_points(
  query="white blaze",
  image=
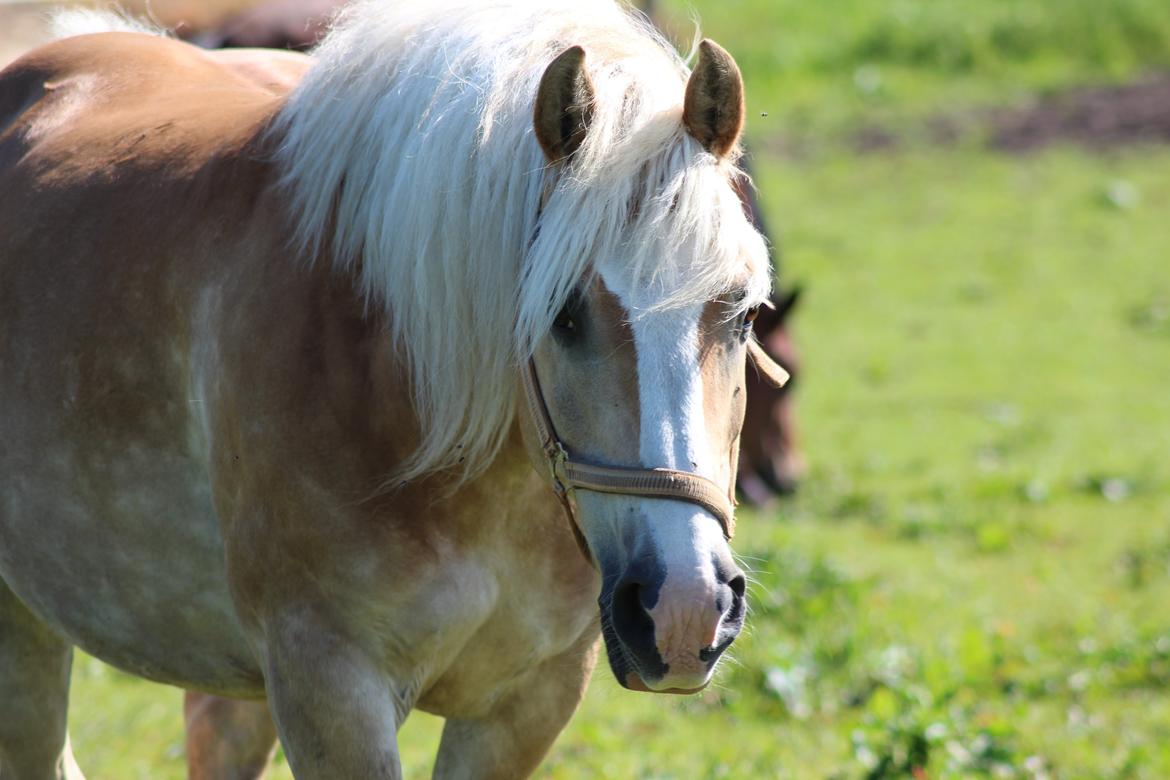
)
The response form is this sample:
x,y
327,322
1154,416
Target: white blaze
x,y
673,434
670,390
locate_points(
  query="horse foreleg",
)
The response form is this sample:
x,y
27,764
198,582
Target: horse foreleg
x,y
334,709
514,737
35,665
227,739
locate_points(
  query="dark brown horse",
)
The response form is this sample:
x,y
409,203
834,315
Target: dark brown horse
x,y
276,24
770,460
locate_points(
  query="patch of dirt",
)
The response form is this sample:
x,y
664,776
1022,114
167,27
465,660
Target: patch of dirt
x,y
1096,117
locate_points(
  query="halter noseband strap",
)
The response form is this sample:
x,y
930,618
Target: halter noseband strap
x,y
568,475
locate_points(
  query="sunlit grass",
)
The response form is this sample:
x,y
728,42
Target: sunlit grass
x,y
983,545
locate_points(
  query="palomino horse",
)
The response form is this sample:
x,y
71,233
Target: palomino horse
x,y
236,738
770,460
299,385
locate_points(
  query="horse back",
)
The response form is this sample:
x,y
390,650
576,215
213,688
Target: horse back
x,y
119,136
136,175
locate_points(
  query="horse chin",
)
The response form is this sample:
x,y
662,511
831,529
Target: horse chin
x,y
634,682
630,679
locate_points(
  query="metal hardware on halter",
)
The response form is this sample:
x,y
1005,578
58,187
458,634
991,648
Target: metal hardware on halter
x,y
557,468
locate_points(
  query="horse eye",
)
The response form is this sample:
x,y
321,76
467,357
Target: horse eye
x,y
564,320
567,323
749,317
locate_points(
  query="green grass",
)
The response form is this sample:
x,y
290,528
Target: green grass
x,y
983,374
975,576
823,66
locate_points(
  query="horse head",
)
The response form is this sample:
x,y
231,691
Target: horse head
x,y
643,371
770,461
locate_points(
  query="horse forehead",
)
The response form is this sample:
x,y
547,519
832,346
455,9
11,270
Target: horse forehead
x,y
677,334
668,329
612,309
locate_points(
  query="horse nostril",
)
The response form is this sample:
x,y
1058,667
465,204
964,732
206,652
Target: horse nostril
x,y
630,617
738,585
627,597
732,616
729,596
733,591
731,588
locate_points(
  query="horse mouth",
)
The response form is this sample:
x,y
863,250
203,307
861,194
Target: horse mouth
x,y
625,668
634,682
779,481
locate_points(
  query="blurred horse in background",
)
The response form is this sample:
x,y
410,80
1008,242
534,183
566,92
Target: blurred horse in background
x,y
276,24
770,461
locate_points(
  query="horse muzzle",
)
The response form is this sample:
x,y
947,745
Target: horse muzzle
x,y
665,636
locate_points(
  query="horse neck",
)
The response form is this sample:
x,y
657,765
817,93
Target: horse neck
x,y
508,496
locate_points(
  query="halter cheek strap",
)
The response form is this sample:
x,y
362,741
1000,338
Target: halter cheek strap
x,y
568,475
771,371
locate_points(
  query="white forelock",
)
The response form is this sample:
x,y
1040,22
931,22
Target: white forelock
x,y
409,155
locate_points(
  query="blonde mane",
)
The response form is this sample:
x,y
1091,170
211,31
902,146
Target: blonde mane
x,y
409,155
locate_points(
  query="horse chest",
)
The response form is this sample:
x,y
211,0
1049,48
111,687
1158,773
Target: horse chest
x,y
511,646
462,633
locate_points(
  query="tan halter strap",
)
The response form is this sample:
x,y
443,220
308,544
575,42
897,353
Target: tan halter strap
x,y
771,371
568,475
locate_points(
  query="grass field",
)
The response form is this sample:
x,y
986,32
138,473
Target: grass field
x,y
975,578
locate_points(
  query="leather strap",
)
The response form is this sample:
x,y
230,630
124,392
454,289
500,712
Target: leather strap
x,y
769,369
568,475
652,483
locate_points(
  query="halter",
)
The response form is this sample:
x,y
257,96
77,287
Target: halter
x,y
568,475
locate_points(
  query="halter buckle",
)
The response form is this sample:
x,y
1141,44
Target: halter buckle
x,y
557,456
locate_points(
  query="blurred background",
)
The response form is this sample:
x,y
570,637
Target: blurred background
x,y
973,577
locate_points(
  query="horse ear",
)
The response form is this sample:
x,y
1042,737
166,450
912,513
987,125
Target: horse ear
x,y
713,110
787,302
564,105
